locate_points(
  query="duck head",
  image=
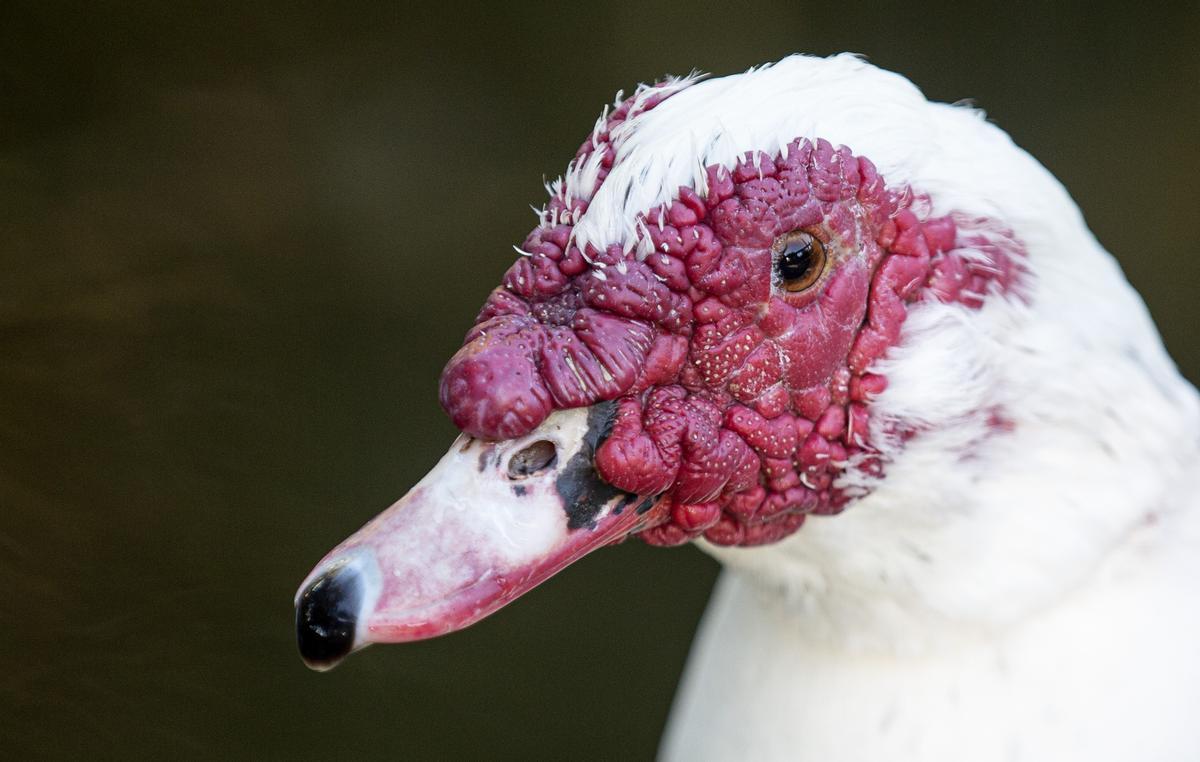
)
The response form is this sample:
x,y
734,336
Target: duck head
x,y
746,305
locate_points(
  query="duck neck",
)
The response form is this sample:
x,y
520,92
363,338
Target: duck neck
x,y
975,528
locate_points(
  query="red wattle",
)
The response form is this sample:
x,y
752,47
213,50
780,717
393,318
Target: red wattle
x,y
740,404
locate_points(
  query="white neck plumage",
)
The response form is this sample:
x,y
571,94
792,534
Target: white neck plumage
x,y
1000,585
1049,497
975,526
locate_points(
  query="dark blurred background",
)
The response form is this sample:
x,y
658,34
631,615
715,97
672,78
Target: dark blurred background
x,y
237,245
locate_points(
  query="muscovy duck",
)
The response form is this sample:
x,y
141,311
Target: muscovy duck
x,y
865,351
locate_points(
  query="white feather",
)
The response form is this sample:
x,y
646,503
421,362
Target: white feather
x,y
1025,594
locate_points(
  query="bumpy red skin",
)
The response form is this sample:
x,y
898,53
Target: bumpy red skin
x,y
738,403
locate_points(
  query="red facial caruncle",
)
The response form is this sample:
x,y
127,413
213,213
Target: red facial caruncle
x,y
736,335
710,370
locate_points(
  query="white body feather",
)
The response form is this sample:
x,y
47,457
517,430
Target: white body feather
x,y
1025,595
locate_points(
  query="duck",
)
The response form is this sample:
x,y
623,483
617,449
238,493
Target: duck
x,y
865,351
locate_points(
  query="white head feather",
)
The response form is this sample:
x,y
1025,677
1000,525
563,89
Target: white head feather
x,y
967,528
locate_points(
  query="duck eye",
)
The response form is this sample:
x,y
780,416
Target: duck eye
x,y
799,260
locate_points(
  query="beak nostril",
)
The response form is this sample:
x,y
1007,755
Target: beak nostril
x,y
530,460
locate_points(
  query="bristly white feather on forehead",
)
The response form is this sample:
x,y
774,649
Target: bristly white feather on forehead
x,y
949,152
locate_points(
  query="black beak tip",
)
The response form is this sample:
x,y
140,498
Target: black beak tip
x,y
327,617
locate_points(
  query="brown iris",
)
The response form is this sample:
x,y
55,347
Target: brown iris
x,y
800,260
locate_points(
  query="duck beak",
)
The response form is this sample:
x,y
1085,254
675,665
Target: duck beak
x,y
490,522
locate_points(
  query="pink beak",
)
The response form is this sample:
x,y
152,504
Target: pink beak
x,y
490,522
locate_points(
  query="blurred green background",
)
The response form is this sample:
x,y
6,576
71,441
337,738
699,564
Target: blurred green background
x,y
238,244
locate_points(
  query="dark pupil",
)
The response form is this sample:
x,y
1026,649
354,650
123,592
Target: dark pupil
x,y
796,260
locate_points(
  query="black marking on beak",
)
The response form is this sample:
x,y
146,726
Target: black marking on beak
x,y
626,501
327,615
583,492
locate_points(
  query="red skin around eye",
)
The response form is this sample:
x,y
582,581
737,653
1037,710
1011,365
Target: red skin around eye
x,y
738,404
